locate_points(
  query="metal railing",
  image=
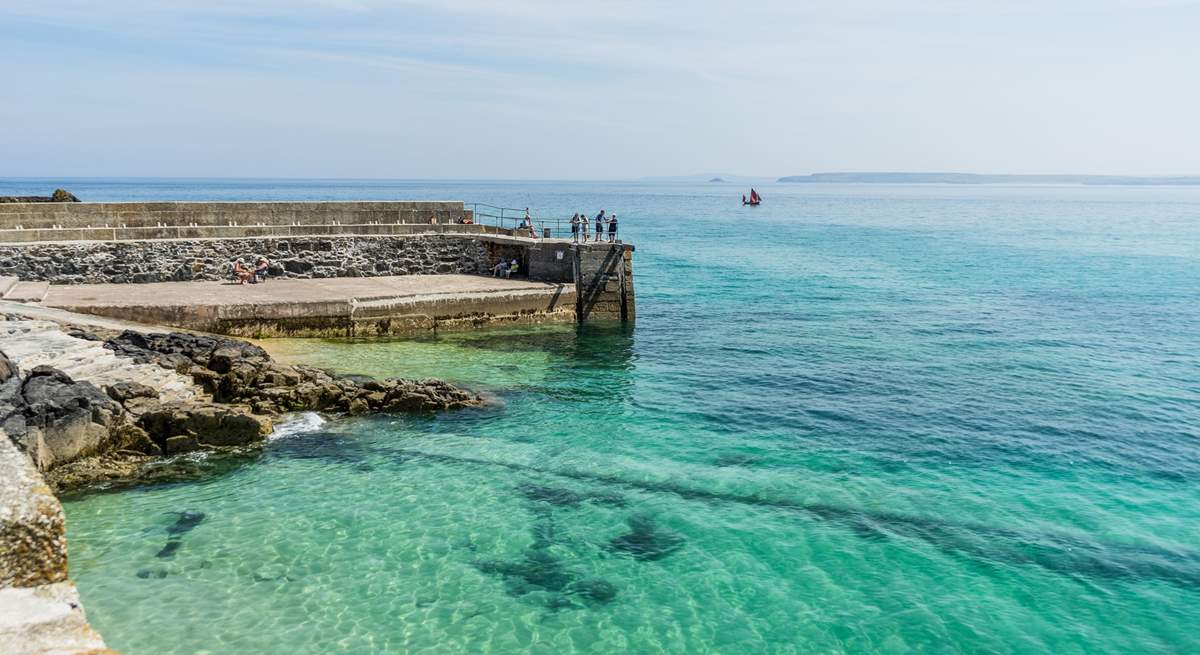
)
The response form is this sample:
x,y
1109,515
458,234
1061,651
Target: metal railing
x,y
511,218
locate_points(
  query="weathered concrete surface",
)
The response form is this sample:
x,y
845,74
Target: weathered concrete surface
x,y
327,307
27,291
46,620
33,545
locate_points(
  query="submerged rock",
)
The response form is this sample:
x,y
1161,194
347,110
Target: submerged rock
x,y
645,541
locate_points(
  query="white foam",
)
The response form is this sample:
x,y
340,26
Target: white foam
x,y
297,423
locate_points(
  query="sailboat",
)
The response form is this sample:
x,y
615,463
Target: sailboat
x,y
754,200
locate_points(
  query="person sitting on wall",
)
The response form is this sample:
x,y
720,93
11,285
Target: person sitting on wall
x,y
512,269
527,224
500,269
260,270
241,273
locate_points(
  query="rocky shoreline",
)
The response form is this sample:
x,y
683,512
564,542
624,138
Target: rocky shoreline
x,y
79,433
86,404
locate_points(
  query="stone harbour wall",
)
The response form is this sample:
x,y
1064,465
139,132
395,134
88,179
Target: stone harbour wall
x,y
37,215
119,262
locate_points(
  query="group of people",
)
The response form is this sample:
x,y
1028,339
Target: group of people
x,y
579,227
505,269
244,274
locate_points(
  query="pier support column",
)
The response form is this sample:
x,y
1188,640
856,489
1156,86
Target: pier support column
x,y
604,282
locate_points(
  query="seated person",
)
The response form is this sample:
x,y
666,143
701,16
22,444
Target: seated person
x,y
512,269
241,273
260,270
500,269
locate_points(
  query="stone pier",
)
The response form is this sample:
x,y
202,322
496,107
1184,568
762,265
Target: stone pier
x,y
321,255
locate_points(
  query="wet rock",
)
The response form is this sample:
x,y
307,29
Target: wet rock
x,y
181,427
109,467
238,372
182,443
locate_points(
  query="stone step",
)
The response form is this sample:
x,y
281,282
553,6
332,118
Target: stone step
x,y
28,292
6,283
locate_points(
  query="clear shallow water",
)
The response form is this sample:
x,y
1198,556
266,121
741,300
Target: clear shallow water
x,y
855,419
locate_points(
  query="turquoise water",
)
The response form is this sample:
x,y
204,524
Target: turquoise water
x,y
876,419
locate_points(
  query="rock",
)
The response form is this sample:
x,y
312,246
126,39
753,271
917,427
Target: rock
x,y
124,391
47,619
33,549
64,419
183,443
358,406
98,468
205,423
7,368
62,195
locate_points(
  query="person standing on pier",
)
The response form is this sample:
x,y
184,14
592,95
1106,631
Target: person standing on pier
x,y
612,228
583,225
600,225
575,228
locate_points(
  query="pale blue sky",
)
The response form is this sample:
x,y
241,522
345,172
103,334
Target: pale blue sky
x,y
549,89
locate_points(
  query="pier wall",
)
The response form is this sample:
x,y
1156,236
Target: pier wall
x,y
147,220
305,257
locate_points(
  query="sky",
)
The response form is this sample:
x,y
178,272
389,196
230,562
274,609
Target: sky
x,y
547,89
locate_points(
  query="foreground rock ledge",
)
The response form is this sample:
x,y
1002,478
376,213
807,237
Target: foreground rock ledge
x,y
77,433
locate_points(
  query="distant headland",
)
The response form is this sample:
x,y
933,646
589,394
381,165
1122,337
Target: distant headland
x,y
973,178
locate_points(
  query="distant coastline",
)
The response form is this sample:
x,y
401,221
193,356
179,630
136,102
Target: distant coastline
x,y
972,178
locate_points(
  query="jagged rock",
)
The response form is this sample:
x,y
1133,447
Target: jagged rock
x,y
62,195
62,420
204,423
238,372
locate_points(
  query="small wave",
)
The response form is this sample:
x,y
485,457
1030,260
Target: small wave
x,y
297,423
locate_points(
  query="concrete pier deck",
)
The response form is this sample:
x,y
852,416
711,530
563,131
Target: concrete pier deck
x,y
331,307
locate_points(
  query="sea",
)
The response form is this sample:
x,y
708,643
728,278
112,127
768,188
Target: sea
x,y
854,419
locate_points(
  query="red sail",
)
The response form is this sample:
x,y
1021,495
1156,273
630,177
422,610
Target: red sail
x,y
754,197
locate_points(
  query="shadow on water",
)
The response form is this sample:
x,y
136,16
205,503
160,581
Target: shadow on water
x,y
542,577
599,345
1060,553
185,522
